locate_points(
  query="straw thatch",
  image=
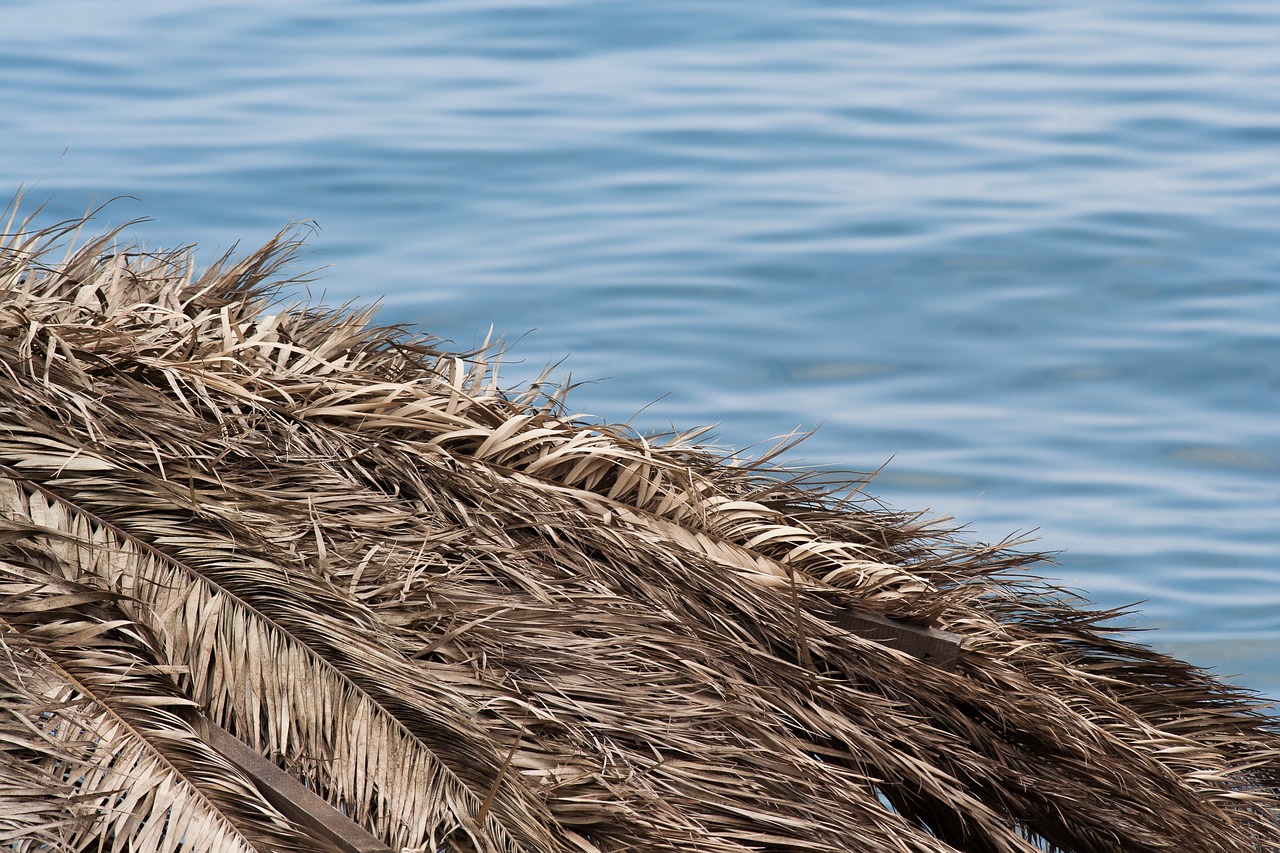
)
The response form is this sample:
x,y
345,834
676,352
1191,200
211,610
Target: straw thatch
x,y
476,623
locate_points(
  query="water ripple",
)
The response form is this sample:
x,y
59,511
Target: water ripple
x,y
1028,252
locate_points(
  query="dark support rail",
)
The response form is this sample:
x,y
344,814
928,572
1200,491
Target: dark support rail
x,y
296,801
939,648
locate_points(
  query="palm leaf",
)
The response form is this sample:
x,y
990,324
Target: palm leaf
x,y
106,745
277,670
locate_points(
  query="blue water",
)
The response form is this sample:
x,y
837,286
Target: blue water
x,y
1026,253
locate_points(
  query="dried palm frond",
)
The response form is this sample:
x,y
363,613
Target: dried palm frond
x,y
471,621
106,745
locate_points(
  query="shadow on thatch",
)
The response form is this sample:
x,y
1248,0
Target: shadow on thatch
x,y
473,622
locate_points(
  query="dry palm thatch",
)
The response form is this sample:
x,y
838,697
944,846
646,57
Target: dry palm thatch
x,y
473,622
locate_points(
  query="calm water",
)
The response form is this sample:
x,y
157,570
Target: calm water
x,y
1030,252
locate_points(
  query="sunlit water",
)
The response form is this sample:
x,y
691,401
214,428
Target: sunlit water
x,y
1027,254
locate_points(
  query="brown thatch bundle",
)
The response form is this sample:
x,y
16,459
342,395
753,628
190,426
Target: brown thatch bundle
x,y
475,623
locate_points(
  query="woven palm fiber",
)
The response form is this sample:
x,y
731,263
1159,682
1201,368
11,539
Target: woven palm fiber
x,y
472,621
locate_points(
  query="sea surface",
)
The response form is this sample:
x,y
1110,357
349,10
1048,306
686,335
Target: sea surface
x,y
1022,257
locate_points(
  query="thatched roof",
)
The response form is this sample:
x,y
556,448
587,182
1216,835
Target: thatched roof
x,y
474,622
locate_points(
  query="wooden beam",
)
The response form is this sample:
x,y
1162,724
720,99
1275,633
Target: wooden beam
x,y
939,648
296,801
